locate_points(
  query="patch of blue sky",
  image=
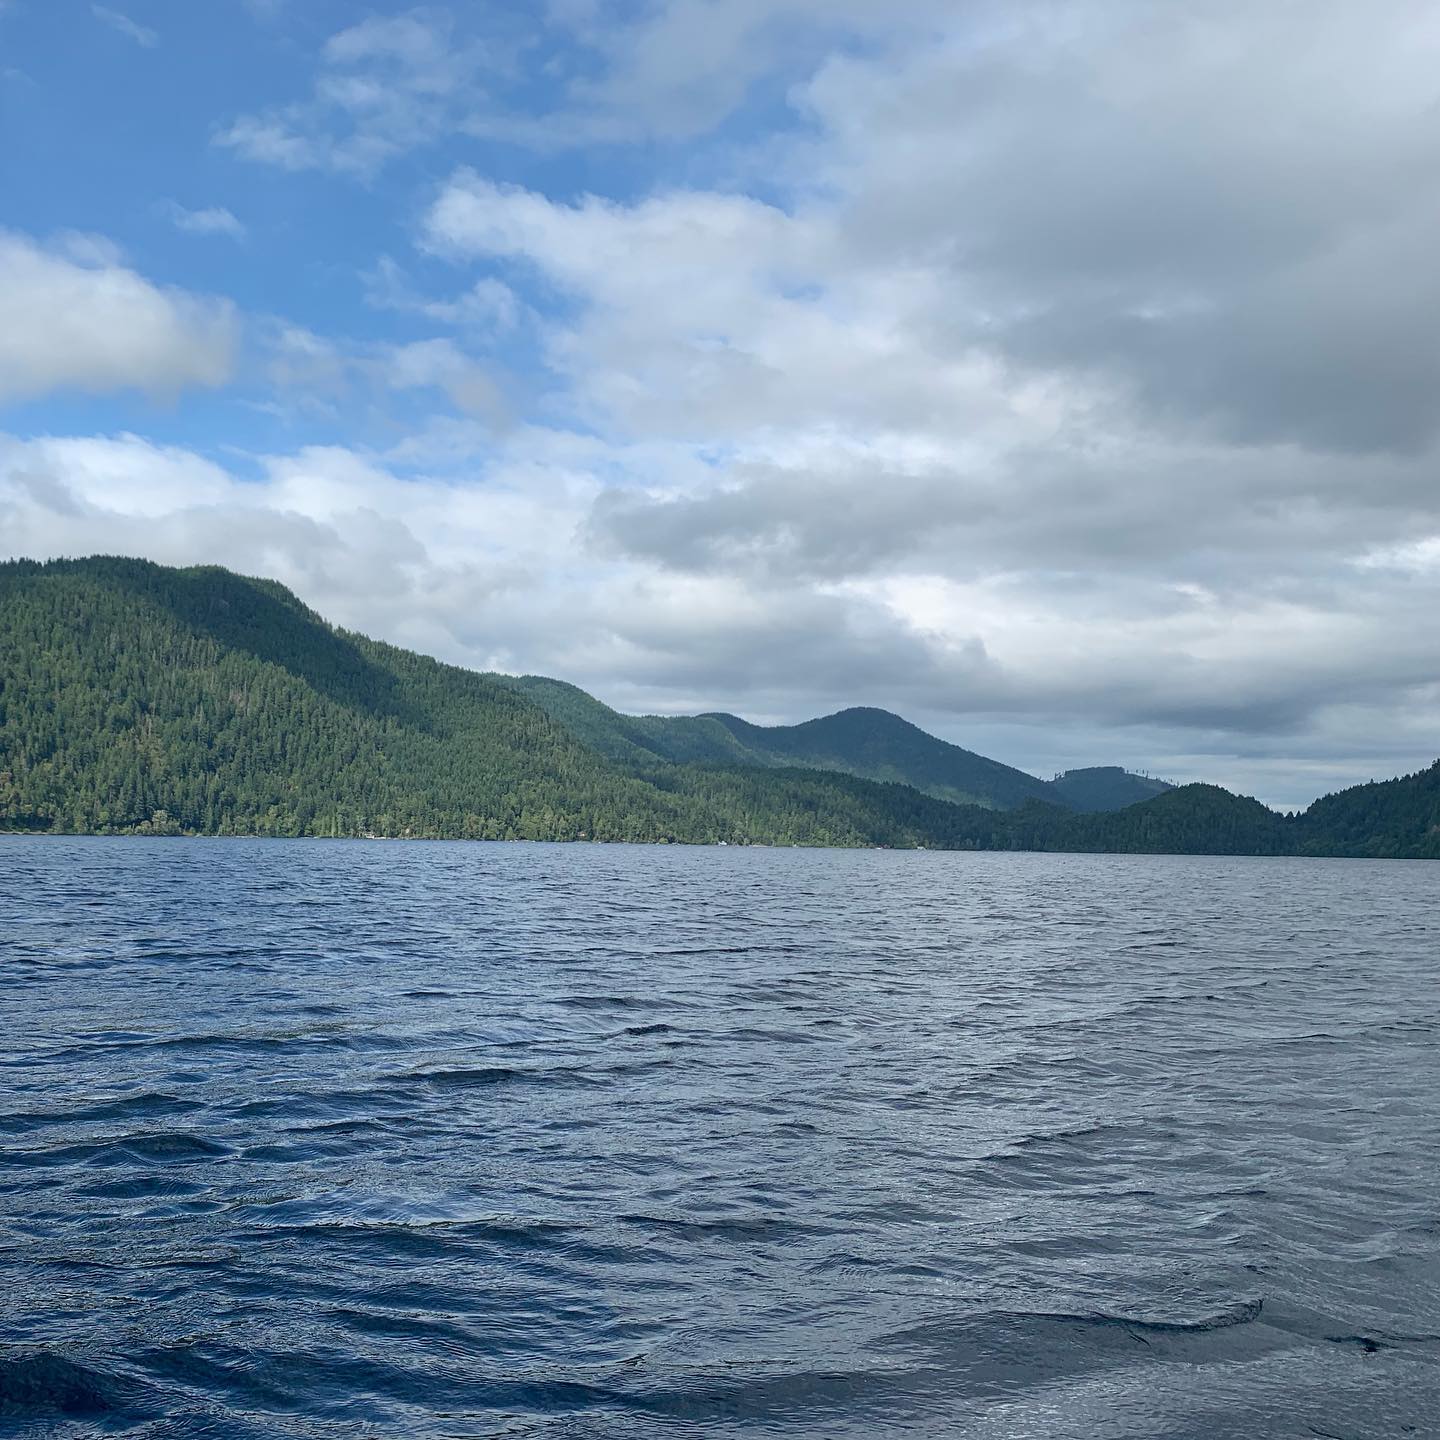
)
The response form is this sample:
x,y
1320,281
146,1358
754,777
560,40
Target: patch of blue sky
x,y
124,139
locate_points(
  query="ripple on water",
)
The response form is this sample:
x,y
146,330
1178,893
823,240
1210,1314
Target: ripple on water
x,y
330,1140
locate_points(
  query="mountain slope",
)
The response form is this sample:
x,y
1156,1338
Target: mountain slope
x,y
869,743
140,699
636,740
1105,787
882,746
1188,820
136,698
1384,819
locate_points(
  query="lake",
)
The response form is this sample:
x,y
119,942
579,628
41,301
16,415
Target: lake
x,y
330,1139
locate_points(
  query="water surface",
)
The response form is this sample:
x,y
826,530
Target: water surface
x,y
333,1139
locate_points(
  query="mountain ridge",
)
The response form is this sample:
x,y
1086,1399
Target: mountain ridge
x,y
143,699
861,740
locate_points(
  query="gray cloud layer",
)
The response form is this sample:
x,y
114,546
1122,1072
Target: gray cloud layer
x,y
1095,343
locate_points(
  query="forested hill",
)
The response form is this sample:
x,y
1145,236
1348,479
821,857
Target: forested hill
x,y
641,741
1105,787
1384,819
882,746
872,744
140,699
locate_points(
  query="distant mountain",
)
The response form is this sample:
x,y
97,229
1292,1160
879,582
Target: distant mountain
x,y
1105,787
1391,819
871,744
138,699
881,746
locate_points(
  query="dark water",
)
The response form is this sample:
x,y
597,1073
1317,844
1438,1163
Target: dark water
x,y
309,1139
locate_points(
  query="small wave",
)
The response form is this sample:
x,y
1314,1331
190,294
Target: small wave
x,y
173,1145
163,1146
403,1325
415,1240
998,1324
134,1107
474,1077
484,1077
756,1036
1073,1136
604,1002
39,1385
142,1187
764,1228
315,1105
1242,1312
300,1040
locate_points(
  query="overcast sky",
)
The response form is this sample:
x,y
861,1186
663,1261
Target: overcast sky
x,y
1065,377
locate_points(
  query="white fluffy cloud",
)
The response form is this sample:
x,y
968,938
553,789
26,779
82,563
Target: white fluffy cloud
x,y
415,557
74,317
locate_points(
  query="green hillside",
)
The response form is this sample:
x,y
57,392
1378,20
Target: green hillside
x,y
137,699
633,740
882,746
1105,787
1386,818
872,744
134,697
1188,820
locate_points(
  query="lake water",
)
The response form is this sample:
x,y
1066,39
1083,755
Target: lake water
x,y
346,1139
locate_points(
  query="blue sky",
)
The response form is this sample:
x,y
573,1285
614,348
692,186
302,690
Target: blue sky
x,y
1059,377
122,116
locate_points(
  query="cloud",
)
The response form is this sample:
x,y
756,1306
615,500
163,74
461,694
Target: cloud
x,y
671,71
383,86
74,317
1101,400
1072,195
140,34
1060,376
488,564
556,77
708,314
1201,515
409,555
441,364
214,220
488,308
1254,266
313,373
